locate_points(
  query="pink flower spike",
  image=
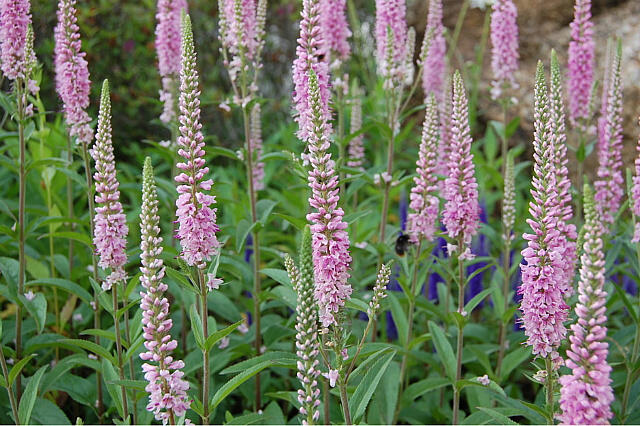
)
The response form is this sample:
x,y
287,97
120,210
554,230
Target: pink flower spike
x,y
72,73
424,203
461,210
504,42
434,65
335,29
610,183
196,219
391,38
581,62
14,21
586,394
167,389
635,195
110,223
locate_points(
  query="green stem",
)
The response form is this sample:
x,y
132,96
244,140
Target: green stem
x,y
116,323
21,234
506,265
457,30
549,389
634,359
456,391
12,397
344,400
132,375
204,313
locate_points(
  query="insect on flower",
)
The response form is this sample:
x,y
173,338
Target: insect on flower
x,y
402,244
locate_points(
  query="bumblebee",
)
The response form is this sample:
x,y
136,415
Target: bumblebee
x,y
402,244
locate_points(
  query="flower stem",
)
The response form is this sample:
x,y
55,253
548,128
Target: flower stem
x,y
132,375
549,389
204,313
345,402
116,323
12,397
456,391
631,364
458,28
506,266
21,235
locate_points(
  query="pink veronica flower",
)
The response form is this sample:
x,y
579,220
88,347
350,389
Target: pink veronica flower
x,y
168,48
424,201
14,21
434,66
335,29
586,394
581,61
610,183
196,219
635,196
391,38
543,287
310,52
461,211
167,389
72,72
110,230
331,256
504,41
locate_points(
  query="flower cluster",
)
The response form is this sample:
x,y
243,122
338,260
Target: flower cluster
x,y
424,201
110,230
72,72
610,183
356,147
586,394
635,195
581,62
196,219
504,42
543,306
307,348
433,58
168,16
15,18
335,30
255,139
310,56
331,256
509,200
461,211
391,39
567,230
167,389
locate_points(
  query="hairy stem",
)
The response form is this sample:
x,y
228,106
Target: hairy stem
x,y
456,391
204,313
21,234
549,389
12,397
116,323
506,267
344,400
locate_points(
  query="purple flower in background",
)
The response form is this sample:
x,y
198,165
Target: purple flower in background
x,y
14,21
72,72
434,65
248,248
581,62
504,42
110,223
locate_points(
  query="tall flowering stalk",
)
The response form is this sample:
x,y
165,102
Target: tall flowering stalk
x,y
168,49
391,39
634,196
543,307
167,388
586,394
15,19
356,145
196,218
581,62
461,209
610,183
504,41
255,139
434,62
110,227
335,31
307,346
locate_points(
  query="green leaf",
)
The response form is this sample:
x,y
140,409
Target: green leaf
x,y
9,268
363,393
630,307
102,333
499,417
264,209
471,305
37,309
217,151
111,376
286,295
29,396
68,286
399,317
443,347
180,278
418,389
218,335
278,358
236,381
131,384
513,360
75,236
90,346
196,324
357,304
48,413
295,221
243,228
278,275
18,368
512,126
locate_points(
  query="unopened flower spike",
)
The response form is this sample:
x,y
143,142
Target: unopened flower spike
x,y
379,290
110,230
167,388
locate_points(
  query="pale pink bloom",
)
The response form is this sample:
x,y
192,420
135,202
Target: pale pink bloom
x,y
581,62
14,21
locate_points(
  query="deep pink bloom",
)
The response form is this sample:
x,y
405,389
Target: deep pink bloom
x,y
581,62
586,394
504,42
335,29
310,56
424,203
72,72
331,256
14,21
196,219
610,183
110,223
391,17
167,389
461,211
256,148
434,65
543,278
168,48
635,196
356,146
